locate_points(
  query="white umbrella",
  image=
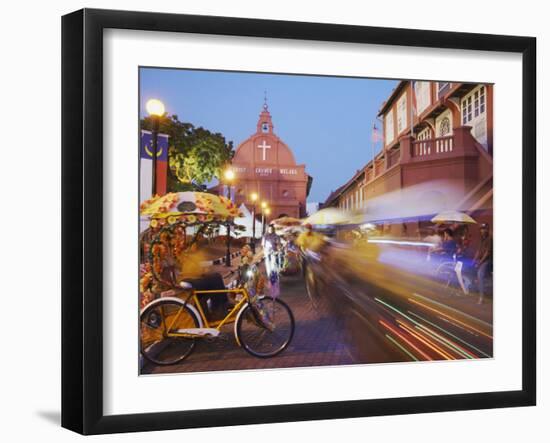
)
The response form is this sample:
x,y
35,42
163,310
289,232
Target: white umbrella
x,y
452,217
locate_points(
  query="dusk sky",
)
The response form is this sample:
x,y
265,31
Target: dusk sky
x,y
326,121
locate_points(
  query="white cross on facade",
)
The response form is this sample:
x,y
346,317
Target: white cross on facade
x,y
263,147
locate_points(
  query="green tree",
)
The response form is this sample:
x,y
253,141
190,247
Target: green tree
x,y
195,155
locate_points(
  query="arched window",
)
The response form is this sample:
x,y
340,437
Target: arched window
x,y
444,127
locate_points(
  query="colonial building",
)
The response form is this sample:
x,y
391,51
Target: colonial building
x,y
265,165
432,131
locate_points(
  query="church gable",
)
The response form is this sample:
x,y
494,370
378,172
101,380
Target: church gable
x,y
265,165
264,147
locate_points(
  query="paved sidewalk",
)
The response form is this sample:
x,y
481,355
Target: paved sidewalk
x,y
318,340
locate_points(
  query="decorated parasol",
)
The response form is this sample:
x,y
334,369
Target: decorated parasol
x,y
177,220
190,207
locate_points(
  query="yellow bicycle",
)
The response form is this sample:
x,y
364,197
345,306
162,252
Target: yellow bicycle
x,y
171,325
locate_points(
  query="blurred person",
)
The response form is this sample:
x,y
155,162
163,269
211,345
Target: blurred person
x,y
461,238
310,240
190,263
435,239
271,244
447,247
483,259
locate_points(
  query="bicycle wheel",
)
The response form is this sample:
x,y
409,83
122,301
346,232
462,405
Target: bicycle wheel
x,y
266,328
156,320
447,276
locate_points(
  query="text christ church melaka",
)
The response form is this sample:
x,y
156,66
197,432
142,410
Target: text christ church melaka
x,y
264,164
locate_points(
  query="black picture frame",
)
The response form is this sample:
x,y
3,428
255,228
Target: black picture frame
x,y
82,215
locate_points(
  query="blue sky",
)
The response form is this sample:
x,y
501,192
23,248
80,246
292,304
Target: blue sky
x,y
326,121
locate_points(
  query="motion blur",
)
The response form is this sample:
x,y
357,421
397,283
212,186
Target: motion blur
x,y
409,281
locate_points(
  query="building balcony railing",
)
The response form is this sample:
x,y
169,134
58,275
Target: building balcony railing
x,y
432,146
460,143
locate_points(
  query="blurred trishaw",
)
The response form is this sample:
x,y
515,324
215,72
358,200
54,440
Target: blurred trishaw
x,y
288,229
180,303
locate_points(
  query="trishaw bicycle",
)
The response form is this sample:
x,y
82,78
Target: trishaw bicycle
x,y
171,324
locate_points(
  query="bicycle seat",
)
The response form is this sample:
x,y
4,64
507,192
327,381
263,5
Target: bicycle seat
x,y
186,285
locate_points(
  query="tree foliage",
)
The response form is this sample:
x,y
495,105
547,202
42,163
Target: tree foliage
x,y
195,155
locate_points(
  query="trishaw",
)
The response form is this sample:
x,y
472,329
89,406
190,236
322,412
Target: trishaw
x,y
288,228
178,310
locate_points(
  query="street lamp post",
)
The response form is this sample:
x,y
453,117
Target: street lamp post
x,y
229,175
253,198
264,207
155,108
267,212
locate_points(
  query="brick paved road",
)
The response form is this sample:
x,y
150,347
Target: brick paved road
x,y
346,326
319,340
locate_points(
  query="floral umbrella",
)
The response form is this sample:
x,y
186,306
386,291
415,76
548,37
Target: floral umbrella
x,y
190,207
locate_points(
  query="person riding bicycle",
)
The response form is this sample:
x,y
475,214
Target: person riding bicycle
x,y
310,240
448,247
448,250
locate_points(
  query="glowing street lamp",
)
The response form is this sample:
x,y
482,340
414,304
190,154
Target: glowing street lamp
x,y
155,108
229,175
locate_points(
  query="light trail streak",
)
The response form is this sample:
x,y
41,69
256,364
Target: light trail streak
x,y
418,324
446,342
471,317
449,344
396,343
400,242
412,345
450,333
446,320
452,318
393,308
427,342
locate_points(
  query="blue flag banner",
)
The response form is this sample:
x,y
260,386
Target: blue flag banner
x,y
146,146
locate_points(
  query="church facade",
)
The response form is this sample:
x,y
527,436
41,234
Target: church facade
x,y
265,165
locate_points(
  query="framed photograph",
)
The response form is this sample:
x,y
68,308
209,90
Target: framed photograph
x,y
269,221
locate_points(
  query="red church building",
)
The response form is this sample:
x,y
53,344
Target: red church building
x,y
265,165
